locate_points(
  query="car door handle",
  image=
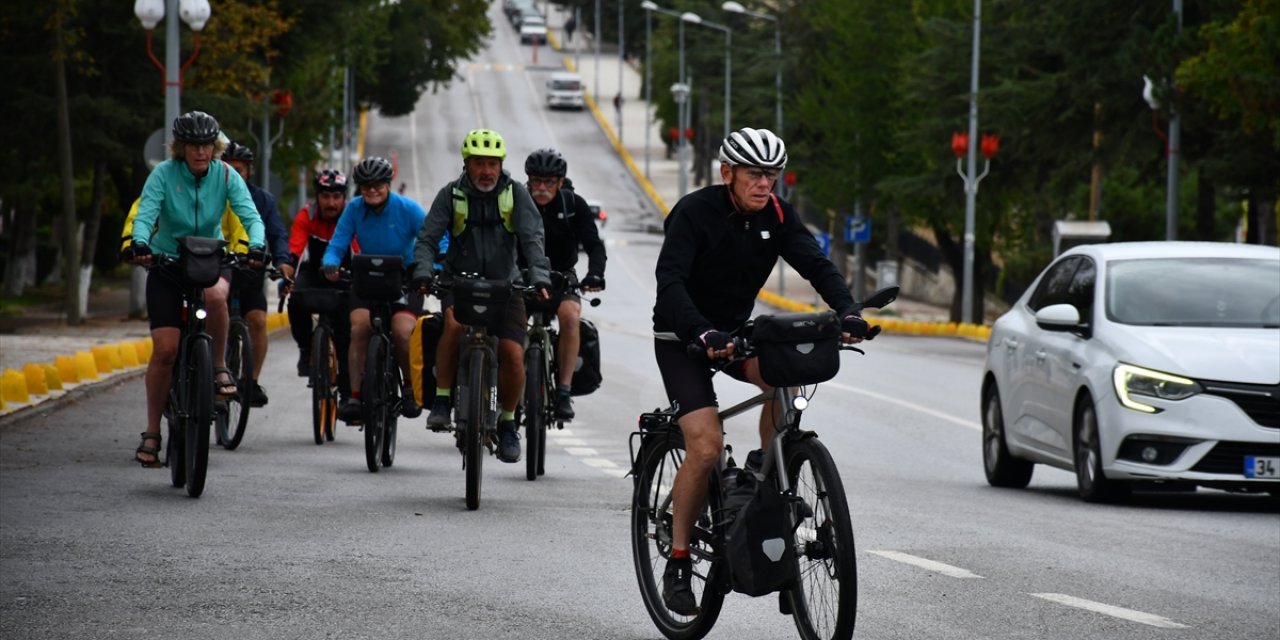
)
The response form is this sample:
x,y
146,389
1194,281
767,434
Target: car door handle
x,y
1010,344
1040,355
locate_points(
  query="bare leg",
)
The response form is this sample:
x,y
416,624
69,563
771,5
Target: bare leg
x,y
360,332
703,441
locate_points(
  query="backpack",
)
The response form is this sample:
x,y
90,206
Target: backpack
x,y
587,375
758,546
422,356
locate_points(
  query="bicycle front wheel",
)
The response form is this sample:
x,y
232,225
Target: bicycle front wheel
x,y
391,420
174,454
324,406
535,403
824,601
477,418
240,362
200,405
374,401
651,518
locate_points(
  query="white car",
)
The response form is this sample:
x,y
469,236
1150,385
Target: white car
x,y
565,89
533,33
1141,362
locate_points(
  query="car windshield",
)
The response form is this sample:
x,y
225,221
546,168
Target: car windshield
x,y
565,85
1194,292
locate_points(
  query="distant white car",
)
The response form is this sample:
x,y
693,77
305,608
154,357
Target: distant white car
x,y
564,89
1140,362
533,32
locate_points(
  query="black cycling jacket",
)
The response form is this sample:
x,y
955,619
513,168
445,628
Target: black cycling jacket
x,y
568,223
714,261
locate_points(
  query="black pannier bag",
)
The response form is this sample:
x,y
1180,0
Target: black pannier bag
x,y
587,374
797,348
377,277
200,260
758,539
481,302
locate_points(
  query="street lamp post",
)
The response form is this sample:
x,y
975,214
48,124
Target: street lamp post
x,y
736,7
971,185
648,81
193,12
622,55
694,18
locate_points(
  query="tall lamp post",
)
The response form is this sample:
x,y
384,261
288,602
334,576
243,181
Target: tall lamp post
x,y
649,7
736,7
694,18
193,12
970,184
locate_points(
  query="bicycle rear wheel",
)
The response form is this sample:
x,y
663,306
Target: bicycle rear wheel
x,y
324,406
200,404
824,602
240,362
535,415
374,402
477,419
651,518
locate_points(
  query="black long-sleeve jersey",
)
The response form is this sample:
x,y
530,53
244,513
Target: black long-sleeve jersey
x,y
567,223
715,259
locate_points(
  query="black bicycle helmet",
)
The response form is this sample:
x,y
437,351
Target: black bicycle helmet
x,y
544,163
330,180
373,170
237,151
196,127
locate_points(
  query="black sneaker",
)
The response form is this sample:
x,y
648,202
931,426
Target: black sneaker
x,y
677,593
508,441
304,364
350,412
564,407
409,407
439,418
258,396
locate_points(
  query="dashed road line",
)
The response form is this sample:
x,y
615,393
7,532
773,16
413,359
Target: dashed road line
x,y
925,563
910,405
1111,610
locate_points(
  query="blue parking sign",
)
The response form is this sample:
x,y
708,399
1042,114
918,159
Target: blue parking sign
x,y
857,229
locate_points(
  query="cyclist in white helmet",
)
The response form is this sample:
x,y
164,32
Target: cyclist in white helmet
x,y
721,243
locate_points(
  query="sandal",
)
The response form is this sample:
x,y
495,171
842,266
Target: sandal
x,y
153,451
224,386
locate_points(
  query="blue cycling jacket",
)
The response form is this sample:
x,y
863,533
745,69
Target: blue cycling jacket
x,y
390,231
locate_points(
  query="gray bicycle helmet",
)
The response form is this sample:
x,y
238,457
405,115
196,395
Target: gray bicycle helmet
x,y
196,127
546,162
373,170
754,148
237,151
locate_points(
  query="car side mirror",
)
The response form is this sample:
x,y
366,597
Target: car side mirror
x,y
1059,317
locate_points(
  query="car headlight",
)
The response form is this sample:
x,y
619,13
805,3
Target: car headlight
x,y
1131,381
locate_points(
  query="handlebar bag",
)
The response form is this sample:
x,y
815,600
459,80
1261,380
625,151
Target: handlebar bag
x,y
481,302
377,277
797,348
200,260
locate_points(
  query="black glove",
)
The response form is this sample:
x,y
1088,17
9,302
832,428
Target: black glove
x,y
714,340
592,281
854,325
137,250
257,254
329,270
422,284
544,289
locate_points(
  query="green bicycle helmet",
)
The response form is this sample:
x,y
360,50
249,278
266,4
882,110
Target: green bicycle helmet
x,y
484,142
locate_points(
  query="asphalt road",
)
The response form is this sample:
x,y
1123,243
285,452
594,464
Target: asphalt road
x,y
294,540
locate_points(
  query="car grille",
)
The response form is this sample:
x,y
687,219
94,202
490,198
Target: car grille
x,y
1228,457
1260,401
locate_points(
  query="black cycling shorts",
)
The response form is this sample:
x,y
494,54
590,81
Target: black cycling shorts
x,y
164,296
247,287
409,304
687,378
513,325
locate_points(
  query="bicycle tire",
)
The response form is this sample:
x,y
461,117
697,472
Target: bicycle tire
x,y
391,419
535,403
374,403
323,404
477,419
174,455
200,381
660,457
825,599
240,362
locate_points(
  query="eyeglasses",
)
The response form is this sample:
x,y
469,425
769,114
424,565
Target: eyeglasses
x,y
374,186
547,181
754,175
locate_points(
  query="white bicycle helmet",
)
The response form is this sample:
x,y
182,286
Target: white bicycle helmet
x,y
755,148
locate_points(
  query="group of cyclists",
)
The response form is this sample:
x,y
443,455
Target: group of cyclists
x,y
719,247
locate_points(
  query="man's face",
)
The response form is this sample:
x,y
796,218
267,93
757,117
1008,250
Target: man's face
x,y
376,193
483,171
750,185
241,168
330,204
198,157
544,188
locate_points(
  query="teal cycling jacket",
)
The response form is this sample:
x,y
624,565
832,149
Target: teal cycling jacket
x,y
175,203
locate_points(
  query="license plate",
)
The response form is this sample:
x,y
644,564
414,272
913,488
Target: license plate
x,y
1258,467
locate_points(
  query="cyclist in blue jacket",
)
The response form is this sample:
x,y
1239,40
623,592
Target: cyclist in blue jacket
x,y
384,223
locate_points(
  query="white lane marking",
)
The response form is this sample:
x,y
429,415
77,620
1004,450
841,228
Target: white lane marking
x,y
582,451
571,442
600,463
1110,610
925,563
910,405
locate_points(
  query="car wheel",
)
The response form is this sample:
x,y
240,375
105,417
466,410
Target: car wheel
x,y
1003,470
1091,482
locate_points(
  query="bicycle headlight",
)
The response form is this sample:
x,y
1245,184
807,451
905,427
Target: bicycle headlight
x,y
201,313
799,403
1132,383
